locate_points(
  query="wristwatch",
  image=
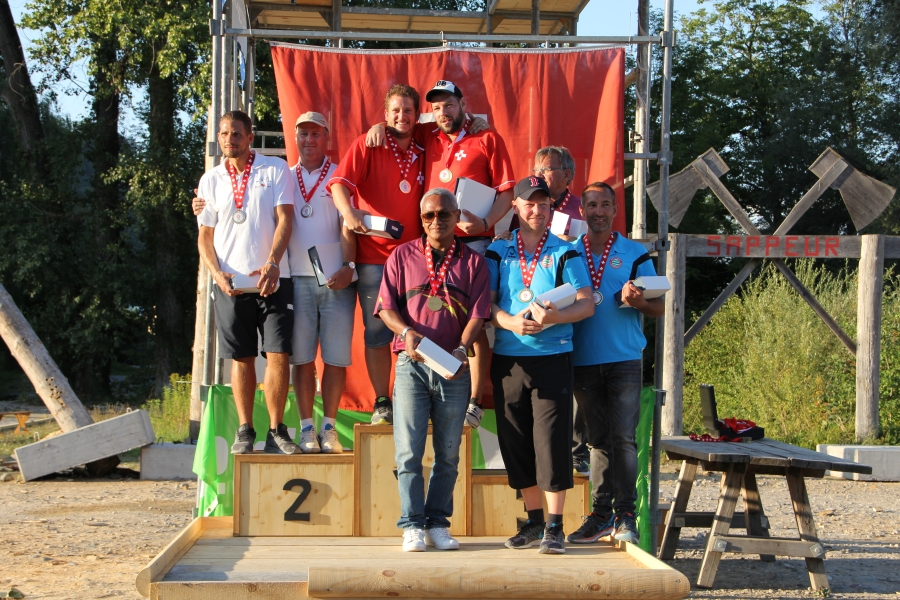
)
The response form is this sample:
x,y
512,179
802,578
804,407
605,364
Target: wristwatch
x,y
350,264
403,333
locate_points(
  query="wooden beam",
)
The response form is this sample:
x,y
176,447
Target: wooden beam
x,y
868,326
807,528
756,523
535,20
728,495
711,310
682,494
835,172
48,381
769,546
773,246
673,336
85,445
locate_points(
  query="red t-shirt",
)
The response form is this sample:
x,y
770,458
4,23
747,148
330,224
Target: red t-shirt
x,y
406,287
568,203
481,157
373,177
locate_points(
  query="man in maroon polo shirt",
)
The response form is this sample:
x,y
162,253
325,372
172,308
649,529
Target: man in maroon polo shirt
x,y
434,287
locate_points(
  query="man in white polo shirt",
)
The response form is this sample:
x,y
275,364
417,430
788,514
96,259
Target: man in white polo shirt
x,y
244,231
323,315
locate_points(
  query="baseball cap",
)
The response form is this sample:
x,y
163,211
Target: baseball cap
x,y
443,87
528,186
312,117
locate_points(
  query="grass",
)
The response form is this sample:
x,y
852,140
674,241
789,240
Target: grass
x,y
772,360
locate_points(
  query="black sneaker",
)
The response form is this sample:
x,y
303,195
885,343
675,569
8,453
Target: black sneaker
x,y
581,467
592,529
383,413
554,540
279,442
626,528
243,440
531,532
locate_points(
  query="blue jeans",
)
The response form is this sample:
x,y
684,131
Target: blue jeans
x,y
421,394
609,396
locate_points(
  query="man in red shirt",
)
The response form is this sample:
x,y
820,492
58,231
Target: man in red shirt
x,y
454,149
385,181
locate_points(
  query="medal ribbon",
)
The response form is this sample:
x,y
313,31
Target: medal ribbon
x,y
597,275
437,279
239,190
462,134
322,175
526,269
404,163
562,204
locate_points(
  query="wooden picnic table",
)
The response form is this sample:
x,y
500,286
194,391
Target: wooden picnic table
x,y
21,416
739,464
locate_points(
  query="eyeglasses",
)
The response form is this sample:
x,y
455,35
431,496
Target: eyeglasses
x,y
442,215
543,170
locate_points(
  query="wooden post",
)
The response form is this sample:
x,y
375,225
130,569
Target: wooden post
x,y
535,20
49,382
199,363
868,333
673,357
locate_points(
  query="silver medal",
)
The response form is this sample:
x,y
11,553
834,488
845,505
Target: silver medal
x,y
526,296
307,211
239,216
598,297
446,175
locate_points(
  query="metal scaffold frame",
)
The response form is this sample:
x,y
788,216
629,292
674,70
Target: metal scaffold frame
x,y
233,30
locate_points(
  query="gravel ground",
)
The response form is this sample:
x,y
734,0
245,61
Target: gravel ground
x,y
66,539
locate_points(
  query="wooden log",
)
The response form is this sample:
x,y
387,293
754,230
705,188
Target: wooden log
x,y
728,495
673,336
682,495
807,527
49,382
868,319
85,445
198,366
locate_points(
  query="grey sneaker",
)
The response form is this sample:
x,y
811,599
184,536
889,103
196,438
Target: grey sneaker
x,y
383,413
474,414
279,442
592,529
329,441
530,533
626,528
243,440
309,442
554,540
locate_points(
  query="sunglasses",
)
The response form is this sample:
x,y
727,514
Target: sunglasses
x,y
442,215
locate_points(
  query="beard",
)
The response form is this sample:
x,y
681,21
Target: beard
x,y
454,125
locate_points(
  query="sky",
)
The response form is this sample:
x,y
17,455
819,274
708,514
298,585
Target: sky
x,y
600,17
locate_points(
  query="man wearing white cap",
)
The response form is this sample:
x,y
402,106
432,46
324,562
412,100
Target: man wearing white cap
x,y
323,315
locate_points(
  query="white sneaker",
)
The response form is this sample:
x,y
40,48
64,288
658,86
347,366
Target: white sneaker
x,y
440,538
413,540
473,415
309,443
329,442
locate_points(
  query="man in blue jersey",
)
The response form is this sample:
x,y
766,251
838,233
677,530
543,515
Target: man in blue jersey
x,y
531,369
607,360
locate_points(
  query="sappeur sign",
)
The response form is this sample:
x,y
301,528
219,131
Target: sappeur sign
x,y
775,246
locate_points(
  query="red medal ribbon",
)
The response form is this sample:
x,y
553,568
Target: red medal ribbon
x,y
322,175
562,205
526,269
239,190
597,275
460,136
437,279
404,163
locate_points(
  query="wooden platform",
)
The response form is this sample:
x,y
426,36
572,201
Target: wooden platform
x,y
207,562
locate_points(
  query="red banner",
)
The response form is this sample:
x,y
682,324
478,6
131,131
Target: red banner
x,y
572,97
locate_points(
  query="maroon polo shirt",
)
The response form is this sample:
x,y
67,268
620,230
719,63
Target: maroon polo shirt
x,y
406,286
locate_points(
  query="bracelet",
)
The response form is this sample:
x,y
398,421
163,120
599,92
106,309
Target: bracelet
x,y
464,351
485,224
274,265
405,330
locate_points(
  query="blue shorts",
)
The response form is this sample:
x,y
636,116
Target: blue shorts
x,y
322,316
376,332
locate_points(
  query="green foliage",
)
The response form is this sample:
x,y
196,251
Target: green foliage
x,y
169,415
773,361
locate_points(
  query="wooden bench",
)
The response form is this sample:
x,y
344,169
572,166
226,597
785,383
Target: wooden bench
x,y
739,463
21,417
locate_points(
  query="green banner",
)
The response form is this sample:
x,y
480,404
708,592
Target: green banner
x,y
648,400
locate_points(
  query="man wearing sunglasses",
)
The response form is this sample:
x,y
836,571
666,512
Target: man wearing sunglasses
x,y
532,369
457,145
434,287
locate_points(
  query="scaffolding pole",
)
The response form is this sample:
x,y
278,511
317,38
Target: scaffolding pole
x,y
665,159
641,125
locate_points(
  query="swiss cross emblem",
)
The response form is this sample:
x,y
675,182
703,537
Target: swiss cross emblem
x,y
421,178
460,155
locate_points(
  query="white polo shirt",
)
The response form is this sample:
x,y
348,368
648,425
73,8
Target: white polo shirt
x,y
322,227
244,248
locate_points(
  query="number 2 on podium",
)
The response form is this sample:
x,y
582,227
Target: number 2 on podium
x,y
291,513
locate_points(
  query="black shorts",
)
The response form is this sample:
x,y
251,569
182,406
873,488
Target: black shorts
x,y
533,403
238,318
